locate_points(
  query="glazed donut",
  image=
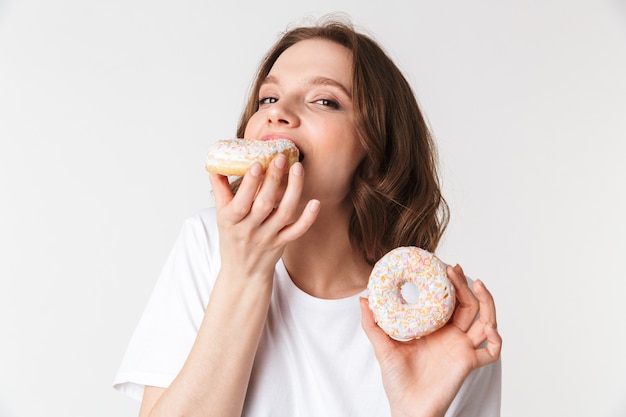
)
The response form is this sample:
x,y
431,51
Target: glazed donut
x,y
235,156
410,294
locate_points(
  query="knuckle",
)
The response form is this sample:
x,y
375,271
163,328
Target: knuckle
x,y
274,175
284,214
263,204
239,211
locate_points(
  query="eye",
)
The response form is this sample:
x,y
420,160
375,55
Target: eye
x,y
328,103
267,100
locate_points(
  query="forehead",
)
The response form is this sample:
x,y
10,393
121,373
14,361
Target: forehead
x,y
315,58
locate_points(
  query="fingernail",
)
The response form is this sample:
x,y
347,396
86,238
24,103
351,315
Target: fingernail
x,y
280,161
296,169
314,206
255,170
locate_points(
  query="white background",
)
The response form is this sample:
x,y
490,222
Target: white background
x,y
108,107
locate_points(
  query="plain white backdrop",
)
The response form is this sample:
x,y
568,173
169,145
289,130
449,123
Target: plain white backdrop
x,y
107,109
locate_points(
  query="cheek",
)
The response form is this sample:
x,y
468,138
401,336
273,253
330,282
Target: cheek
x,y
251,129
358,153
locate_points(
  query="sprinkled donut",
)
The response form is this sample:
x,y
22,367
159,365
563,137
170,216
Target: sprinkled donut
x,y
235,156
410,294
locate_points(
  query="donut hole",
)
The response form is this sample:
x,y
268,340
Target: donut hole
x,y
410,293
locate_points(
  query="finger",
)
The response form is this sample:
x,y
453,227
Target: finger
x,y
378,338
487,305
241,202
486,316
300,226
221,190
290,201
467,307
491,352
266,199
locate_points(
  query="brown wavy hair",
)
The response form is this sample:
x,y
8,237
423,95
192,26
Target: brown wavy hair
x,y
396,192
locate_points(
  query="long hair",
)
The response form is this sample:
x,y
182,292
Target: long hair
x,y
396,192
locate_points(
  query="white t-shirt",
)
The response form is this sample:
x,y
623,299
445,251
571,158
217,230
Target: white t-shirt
x,y
314,358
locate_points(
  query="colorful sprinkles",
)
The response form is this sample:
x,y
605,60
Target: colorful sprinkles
x,y
436,297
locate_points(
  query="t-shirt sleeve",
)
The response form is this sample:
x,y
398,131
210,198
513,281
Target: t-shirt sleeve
x,y
480,394
171,319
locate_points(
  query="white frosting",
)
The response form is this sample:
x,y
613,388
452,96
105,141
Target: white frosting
x,y
410,293
246,149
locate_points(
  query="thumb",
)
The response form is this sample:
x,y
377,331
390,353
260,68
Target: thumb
x,y
379,339
221,189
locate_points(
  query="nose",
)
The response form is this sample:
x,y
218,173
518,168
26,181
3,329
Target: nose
x,y
281,113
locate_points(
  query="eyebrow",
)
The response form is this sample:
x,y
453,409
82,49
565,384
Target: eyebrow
x,y
270,79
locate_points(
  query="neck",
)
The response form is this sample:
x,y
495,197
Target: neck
x,y
323,262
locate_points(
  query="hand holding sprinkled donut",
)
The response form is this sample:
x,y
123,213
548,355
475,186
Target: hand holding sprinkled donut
x,y
260,219
430,370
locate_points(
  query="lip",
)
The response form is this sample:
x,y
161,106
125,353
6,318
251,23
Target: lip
x,y
271,136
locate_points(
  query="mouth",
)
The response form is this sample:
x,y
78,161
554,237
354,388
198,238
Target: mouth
x,y
279,136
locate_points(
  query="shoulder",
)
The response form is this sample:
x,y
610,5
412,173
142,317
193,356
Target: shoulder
x,y
204,219
197,245
200,228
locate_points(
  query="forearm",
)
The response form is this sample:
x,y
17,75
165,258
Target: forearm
x,y
214,379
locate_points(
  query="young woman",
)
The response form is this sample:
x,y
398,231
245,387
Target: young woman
x,y
259,308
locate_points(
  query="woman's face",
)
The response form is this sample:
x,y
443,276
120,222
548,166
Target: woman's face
x,y
307,97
